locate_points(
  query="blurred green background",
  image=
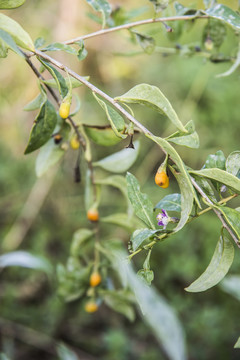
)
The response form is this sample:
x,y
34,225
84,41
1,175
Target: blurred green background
x,y
40,215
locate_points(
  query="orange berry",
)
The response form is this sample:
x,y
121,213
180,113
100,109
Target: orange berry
x,y
75,143
95,279
91,306
64,110
93,215
161,179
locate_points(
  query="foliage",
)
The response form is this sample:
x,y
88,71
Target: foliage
x,y
94,246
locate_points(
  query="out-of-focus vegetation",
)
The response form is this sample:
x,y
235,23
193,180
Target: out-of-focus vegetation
x,y
33,318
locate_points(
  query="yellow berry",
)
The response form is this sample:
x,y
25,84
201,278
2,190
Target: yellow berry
x,y
208,44
75,144
93,215
95,279
161,179
91,306
64,110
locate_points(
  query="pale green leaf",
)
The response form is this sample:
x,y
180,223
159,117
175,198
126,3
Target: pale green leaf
x,y
36,103
118,301
233,218
152,97
157,313
171,202
60,47
231,285
104,136
233,163
224,13
232,68
65,353
216,160
221,176
103,7
220,263
115,119
75,83
121,219
48,156
79,238
190,140
26,260
7,42
186,199
140,236
11,4
120,161
237,345
141,203
20,36
146,42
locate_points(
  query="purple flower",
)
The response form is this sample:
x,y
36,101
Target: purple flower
x,y
163,219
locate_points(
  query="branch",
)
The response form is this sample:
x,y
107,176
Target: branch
x,y
217,212
134,24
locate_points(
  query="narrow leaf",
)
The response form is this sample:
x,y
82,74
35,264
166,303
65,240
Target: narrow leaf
x,y
157,313
140,236
146,42
233,163
65,353
60,47
75,83
232,68
8,43
233,218
26,260
221,176
117,301
102,135
60,81
141,203
121,219
19,35
120,161
79,238
11,4
224,13
220,263
103,7
36,103
190,140
186,199
237,345
170,202
152,97
116,120
231,285
43,127
216,160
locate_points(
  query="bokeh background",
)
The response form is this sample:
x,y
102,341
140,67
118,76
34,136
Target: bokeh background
x,y
40,215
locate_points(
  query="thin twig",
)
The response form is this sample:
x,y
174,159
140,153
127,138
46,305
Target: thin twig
x,y
133,24
217,212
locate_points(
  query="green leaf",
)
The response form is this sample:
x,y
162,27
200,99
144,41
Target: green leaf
x,y
19,35
117,301
233,163
152,97
170,202
159,5
116,120
221,176
102,6
215,161
7,42
64,353
225,14
43,127
140,236
178,161
61,47
233,218
82,52
117,181
48,156
60,81
206,187
157,313
231,285
79,238
237,345
120,161
186,199
75,83
220,263
102,135
141,203
190,140
26,260
121,219
11,4
146,42
146,275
